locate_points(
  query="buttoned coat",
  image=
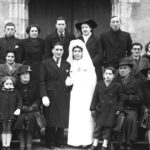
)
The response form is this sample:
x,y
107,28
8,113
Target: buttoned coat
x,y
95,53
53,38
9,102
31,53
142,64
30,97
11,43
52,84
106,102
115,45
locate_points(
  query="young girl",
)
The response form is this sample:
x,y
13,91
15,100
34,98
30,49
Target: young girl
x,y
10,104
104,106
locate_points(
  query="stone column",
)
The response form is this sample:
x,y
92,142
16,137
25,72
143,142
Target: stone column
x,y
15,11
135,18
123,9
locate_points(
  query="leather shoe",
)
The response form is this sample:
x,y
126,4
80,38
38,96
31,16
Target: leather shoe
x,y
93,147
104,148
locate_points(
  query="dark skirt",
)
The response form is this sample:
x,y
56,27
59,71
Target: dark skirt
x,y
26,121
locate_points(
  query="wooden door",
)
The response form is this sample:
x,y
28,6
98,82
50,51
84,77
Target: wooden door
x,y
45,12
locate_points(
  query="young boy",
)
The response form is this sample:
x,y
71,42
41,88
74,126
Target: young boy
x,y
104,106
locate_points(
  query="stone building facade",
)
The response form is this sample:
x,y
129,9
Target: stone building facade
x,y
134,16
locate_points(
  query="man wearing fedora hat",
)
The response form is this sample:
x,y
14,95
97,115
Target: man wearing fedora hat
x,y
115,44
131,99
86,28
59,35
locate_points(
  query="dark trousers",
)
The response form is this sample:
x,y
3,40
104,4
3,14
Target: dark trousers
x,y
102,132
54,136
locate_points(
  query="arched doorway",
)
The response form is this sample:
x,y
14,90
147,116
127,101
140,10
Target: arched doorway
x,y
45,12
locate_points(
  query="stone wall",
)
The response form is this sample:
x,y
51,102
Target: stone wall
x,y
15,11
135,17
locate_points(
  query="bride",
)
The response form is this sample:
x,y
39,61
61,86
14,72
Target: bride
x,y
83,77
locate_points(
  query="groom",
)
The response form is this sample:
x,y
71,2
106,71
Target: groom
x,y
55,97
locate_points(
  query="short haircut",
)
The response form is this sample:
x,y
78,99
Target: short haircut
x,y
61,18
33,25
9,24
57,43
137,43
110,68
146,46
115,17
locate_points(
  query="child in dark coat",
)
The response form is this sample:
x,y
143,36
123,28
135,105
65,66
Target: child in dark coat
x,y
10,104
104,107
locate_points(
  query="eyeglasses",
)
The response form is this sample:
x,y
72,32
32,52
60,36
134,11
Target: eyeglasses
x,y
136,49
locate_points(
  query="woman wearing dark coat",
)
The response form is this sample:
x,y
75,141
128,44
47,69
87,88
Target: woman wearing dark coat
x,y
91,41
26,123
131,99
32,51
146,101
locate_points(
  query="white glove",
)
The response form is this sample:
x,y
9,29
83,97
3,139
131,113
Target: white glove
x,y
45,101
17,112
68,81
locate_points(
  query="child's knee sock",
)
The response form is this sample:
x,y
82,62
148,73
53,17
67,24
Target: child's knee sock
x,y
95,143
105,143
9,136
4,139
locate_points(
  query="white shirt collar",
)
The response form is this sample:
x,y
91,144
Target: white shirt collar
x,y
86,37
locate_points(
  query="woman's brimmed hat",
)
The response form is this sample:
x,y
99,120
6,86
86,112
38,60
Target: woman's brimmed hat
x,y
24,68
90,22
126,61
145,71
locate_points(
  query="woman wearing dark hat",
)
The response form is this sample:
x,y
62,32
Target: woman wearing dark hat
x,y
91,41
26,123
32,50
146,101
131,98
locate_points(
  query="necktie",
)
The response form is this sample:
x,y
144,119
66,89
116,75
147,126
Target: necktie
x,y
58,63
61,37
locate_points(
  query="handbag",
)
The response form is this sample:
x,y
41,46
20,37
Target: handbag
x,y
144,120
40,119
119,124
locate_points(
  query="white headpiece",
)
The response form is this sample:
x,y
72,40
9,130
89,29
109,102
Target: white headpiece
x,y
86,61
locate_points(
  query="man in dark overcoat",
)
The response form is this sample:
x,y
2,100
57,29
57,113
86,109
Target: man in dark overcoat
x,y
139,62
60,34
55,96
9,42
115,44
